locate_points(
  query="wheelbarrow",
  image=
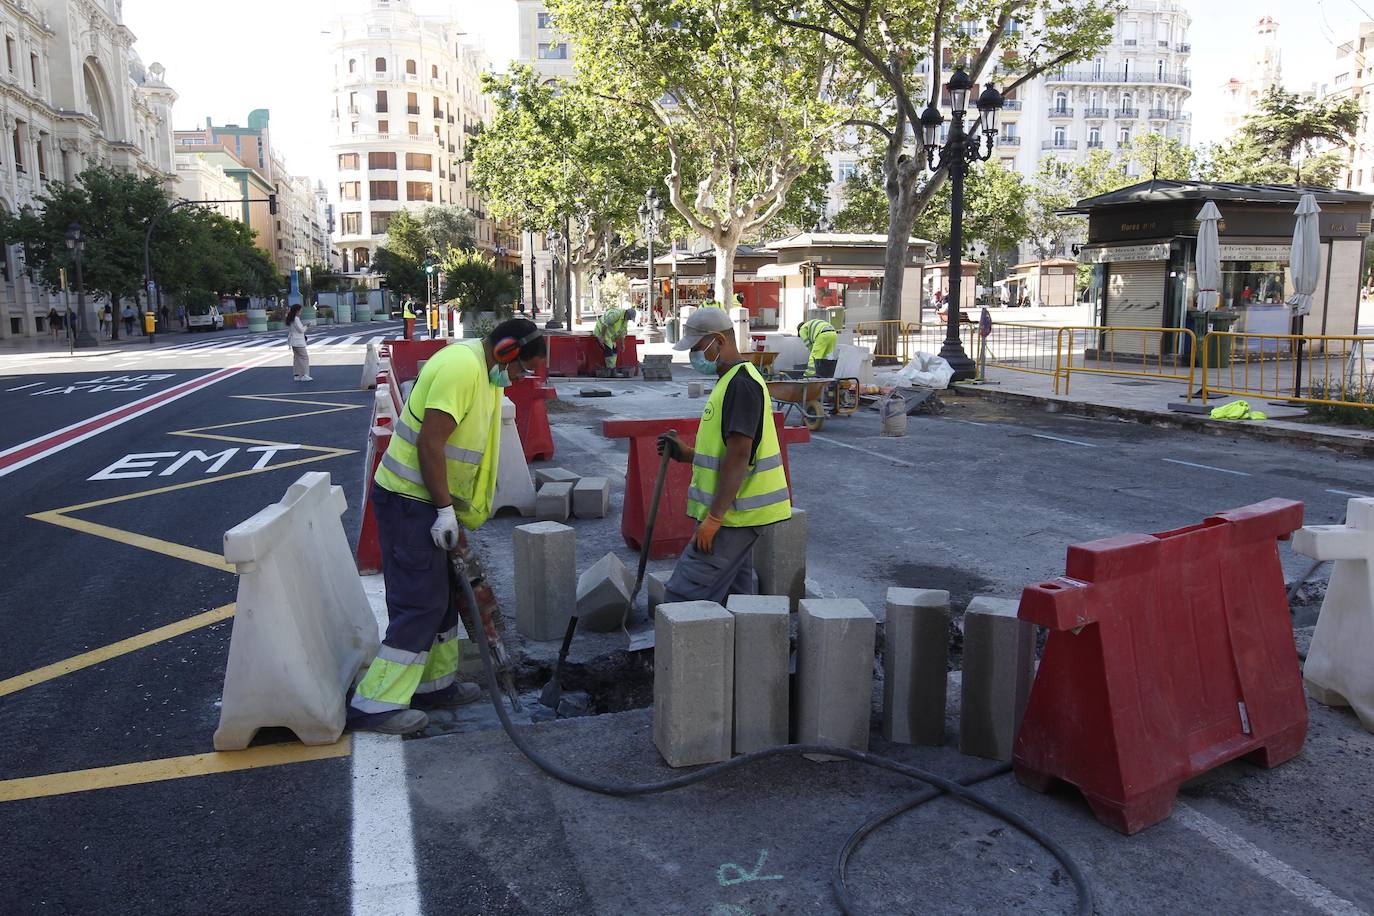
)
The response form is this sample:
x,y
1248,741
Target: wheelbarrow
x,y
763,361
814,399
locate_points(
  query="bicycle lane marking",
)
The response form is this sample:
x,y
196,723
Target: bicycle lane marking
x,y
36,449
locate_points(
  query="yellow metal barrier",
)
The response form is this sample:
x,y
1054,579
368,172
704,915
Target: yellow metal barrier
x,y
887,339
1332,370
1031,348
1152,353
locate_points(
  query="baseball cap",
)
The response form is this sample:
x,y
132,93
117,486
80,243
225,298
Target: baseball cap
x,y
703,322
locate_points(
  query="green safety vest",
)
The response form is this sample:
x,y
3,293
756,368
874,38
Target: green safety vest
x,y
407,311
611,326
712,304
763,497
813,329
472,452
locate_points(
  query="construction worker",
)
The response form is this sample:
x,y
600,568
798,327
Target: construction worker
x,y
408,314
712,304
610,330
438,473
820,338
738,482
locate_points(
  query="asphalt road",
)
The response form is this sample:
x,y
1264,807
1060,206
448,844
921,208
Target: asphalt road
x,y
114,536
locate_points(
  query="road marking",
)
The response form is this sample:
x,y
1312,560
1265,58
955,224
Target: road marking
x,y
968,422
866,451
1066,441
113,650
1348,493
144,771
23,387
1205,467
351,340
26,453
1281,873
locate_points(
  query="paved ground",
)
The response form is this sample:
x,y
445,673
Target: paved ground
x,y
980,501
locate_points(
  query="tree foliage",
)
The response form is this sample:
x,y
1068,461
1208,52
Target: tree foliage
x,y
1280,143
411,237
475,283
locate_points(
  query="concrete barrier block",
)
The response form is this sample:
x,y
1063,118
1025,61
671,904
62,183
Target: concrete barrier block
x,y
761,676
371,363
694,670
603,594
592,497
780,558
657,584
514,489
915,665
695,389
1338,670
303,627
835,643
545,579
554,475
999,665
553,502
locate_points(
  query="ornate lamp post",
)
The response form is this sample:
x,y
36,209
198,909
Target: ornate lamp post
x,y
555,240
76,243
960,150
650,215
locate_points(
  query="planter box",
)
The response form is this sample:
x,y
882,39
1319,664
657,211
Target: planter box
x,y
257,319
276,326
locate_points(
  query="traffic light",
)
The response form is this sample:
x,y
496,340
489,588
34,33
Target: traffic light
x,y
429,265
272,204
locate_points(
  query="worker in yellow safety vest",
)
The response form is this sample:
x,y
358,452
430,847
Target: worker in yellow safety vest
x,y
820,338
610,330
712,304
408,315
439,472
739,485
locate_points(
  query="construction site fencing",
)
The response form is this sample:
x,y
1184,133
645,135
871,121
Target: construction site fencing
x,y
887,340
1158,354
1337,371
1016,347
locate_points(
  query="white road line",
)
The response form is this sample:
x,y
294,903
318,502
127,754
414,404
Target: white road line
x,y
866,451
1205,467
967,422
349,340
1337,492
1065,441
384,875
1279,872
22,387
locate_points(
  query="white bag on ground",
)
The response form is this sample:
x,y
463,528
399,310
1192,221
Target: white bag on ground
x,y
926,370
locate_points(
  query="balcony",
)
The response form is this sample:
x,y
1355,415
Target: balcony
x,y
1058,111
1060,144
450,119
412,78
1164,42
1131,42
438,116
1094,144
1011,104
1184,48
1127,114
1097,114
1008,141
413,109
1166,78
382,109
1161,114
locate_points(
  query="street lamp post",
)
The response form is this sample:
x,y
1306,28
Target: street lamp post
x,y
650,215
76,243
960,150
555,303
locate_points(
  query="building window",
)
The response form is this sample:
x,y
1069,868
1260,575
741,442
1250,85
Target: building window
x,y
546,20
384,127
419,190
381,101
381,190
1094,138
351,223
419,162
381,161
33,69
438,111
42,158
9,52
380,65
410,67
19,146
549,51
1124,137
846,170
1061,101
1159,70
360,257
414,128
1060,137
412,103
350,190
380,223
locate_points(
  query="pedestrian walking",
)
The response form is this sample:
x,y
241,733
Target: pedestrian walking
x,y
127,314
52,321
164,315
107,321
181,315
296,340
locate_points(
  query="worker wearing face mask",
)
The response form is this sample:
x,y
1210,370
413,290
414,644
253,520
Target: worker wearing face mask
x,y
738,482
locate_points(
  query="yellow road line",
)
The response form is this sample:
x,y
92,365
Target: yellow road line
x,y
132,774
134,539
114,650
287,397
291,416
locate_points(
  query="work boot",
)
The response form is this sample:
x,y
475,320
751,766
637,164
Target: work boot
x,y
451,697
397,722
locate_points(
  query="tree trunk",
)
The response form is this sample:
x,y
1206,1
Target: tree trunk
x,y
726,244
901,216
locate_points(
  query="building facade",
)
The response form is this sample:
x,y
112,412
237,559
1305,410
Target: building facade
x,y
73,95
1264,71
1351,78
200,179
407,98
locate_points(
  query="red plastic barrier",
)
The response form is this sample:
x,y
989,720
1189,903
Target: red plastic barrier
x,y
627,358
572,354
406,355
369,553
1169,655
532,417
674,527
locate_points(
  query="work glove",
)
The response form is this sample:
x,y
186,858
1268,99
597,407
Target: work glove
x,y
445,529
705,535
669,444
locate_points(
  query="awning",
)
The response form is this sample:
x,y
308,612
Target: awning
x,y
780,270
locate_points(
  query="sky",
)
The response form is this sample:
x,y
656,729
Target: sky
x,y
275,54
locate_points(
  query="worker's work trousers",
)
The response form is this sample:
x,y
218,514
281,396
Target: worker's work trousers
x,y
421,650
610,354
300,362
823,347
727,570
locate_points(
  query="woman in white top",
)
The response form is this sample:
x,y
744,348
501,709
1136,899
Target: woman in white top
x,y
295,339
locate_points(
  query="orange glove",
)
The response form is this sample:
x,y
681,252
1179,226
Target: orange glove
x,y
705,534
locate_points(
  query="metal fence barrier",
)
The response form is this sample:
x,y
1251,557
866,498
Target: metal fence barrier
x,y
1150,353
1333,370
888,340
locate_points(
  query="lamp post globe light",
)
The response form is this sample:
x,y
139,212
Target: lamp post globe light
x,y
959,151
650,215
76,244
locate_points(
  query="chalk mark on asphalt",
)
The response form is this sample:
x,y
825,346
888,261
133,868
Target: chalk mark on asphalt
x,y
866,451
1205,467
1065,441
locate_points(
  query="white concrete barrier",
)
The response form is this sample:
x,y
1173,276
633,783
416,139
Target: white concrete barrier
x,y
302,628
1340,663
514,489
371,363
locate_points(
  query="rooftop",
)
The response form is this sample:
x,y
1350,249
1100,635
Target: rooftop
x,y
1160,191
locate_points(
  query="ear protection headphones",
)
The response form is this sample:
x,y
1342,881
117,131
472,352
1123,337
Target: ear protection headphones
x,y
507,349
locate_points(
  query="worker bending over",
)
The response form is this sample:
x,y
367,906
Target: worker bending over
x,y
738,482
439,471
820,338
610,330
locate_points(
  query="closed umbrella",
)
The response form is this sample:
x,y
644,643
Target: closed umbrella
x,y
1305,265
1208,258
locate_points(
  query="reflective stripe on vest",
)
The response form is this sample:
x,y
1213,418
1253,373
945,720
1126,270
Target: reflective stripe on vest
x,y
451,452
763,496
814,328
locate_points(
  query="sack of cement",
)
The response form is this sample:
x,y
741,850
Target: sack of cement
x,y
926,370
893,410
